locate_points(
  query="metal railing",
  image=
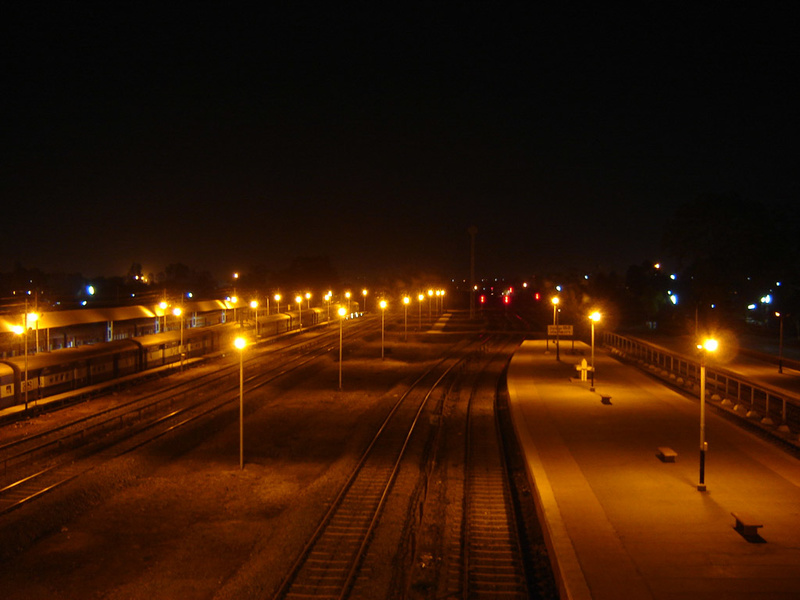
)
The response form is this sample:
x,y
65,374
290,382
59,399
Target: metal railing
x,y
770,406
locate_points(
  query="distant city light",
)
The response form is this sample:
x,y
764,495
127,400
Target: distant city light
x,y
766,299
90,290
752,306
673,298
673,277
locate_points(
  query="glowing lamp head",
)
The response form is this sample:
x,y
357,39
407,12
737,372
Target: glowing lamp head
x,y
342,311
555,300
254,304
298,299
383,304
406,299
277,297
710,345
595,316
18,329
177,311
240,343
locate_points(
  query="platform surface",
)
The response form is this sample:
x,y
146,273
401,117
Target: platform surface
x,y
623,524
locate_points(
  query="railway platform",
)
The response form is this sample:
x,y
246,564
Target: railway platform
x,y
616,471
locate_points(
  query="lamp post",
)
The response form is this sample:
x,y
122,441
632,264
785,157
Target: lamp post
x,y
234,301
240,343
780,343
347,295
254,306
308,299
594,318
710,345
555,322
163,304
299,300
179,313
406,301
383,317
278,303
22,330
328,300
364,293
342,312
421,297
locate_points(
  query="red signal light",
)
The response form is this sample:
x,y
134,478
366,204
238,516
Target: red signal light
x,y
506,299
483,299
537,296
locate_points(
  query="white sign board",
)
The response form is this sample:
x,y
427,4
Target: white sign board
x,y
559,330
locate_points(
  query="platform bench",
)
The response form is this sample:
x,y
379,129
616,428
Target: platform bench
x,y
666,454
605,399
746,524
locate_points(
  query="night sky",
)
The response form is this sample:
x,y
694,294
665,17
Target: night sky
x,y
222,138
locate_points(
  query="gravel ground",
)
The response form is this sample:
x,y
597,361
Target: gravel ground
x,y
178,519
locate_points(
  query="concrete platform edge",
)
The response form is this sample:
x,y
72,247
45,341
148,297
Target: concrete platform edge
x,y
563,558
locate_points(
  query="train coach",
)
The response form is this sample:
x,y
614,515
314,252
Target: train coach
x,y
50,373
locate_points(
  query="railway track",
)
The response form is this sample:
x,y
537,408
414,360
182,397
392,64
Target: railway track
x,y
479,555
39,464
329,563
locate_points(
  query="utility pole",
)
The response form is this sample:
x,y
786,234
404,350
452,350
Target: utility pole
x,y
472,233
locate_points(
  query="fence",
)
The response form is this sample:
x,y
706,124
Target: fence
x,y
752,400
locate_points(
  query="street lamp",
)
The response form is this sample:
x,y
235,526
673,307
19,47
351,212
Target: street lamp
x,y
342,312
308,299
240,343
383,316
555,323
421,297
234,301
710,345
328,297
406,301
179,313
364,293
299,300
163,306
780,343
594,318
22,330
254,306
347,295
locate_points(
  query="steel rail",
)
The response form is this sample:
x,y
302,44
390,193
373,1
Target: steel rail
x,y
329,561
84,459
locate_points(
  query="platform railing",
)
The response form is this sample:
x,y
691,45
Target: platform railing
x,y
772,407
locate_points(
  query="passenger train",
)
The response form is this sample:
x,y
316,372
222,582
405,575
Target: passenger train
x,y
51,373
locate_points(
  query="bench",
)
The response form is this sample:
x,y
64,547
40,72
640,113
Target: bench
x,y
605,399
746,524
666,454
